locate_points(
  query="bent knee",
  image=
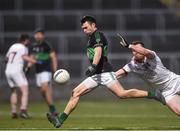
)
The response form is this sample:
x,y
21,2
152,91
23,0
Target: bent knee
x,y
43,90
78,91
75,94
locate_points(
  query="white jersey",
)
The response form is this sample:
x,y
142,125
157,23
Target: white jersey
x,y
15,61
153,72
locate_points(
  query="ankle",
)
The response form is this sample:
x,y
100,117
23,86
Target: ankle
x,y
62,117
52,109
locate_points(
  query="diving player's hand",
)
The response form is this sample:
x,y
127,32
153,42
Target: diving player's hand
x,y
91,70
122,41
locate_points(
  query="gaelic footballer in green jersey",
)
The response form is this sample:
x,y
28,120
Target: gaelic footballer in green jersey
x,y
98,73
97,39
43,52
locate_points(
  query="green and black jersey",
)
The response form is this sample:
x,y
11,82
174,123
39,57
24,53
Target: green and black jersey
x,y
42,51
97,39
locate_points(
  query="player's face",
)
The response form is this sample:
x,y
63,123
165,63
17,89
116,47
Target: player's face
x,y
138,56
39,36
88,28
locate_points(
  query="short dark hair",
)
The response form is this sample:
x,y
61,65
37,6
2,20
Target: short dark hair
x,y
41,30
23,37
138,42
88,18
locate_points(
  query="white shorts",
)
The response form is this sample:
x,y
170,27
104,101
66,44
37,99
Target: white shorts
x,y
172,89
106,79
43,77
16,79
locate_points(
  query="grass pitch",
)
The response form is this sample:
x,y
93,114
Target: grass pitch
x,y
138,114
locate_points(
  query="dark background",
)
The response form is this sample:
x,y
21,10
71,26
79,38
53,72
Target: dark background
x,y
155,22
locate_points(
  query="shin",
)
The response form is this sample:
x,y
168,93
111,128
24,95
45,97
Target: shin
x,y
13,100
77,92
46,93
24,97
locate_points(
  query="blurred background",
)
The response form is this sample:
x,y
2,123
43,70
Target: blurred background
x,y
155,22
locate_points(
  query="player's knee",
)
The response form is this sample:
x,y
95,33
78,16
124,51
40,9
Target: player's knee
x,y
44,86
13,90
122,95
25,93
74,94
43,89
24,89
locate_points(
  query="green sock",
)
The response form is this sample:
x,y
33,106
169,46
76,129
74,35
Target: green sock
x,y
62,117
52,109
151,94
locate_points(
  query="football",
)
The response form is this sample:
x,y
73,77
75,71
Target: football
x,y
61,76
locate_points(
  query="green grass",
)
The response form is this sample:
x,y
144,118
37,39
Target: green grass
x,y
141,114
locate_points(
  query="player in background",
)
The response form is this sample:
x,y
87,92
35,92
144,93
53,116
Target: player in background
x,y
148,66
42,51
99,72
15,57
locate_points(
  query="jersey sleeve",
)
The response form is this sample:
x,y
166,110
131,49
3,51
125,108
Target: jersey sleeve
x,y
127,68
23,51
26,51
98,40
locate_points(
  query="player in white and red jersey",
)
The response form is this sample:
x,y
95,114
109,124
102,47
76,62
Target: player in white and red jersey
x,y
16,55
148,66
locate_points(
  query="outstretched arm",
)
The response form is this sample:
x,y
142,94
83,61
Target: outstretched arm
x,y
142,50
137,48
29,59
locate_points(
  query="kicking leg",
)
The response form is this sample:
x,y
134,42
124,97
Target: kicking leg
x,y
86,86
174,104
76,93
